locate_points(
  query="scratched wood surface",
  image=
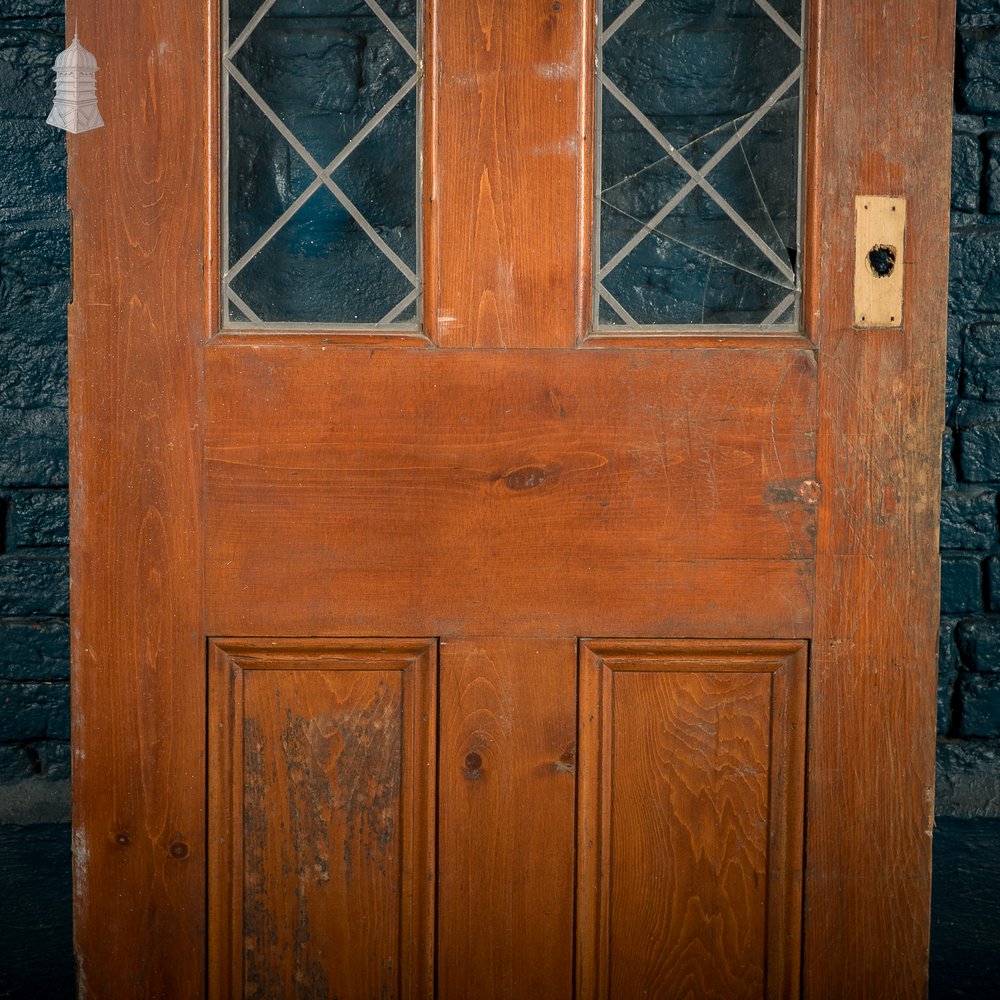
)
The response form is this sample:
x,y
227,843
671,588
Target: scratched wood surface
x,y
506,819
138,196
873,681
431,492
505,245
321,806
692,762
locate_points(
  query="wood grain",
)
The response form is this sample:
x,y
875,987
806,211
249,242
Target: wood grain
x,y
692,765
321,816
506,814
433,492
392,490
138,195
507,98
872,690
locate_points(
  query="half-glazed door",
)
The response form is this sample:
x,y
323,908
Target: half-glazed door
x,y
503,436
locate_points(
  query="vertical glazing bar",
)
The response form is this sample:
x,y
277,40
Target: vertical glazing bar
x,y
223,29
805,31
598,151
418,152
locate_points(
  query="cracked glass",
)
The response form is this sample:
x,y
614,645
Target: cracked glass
x,y
698,164
321,164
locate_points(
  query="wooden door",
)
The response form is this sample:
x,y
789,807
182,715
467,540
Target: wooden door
x,y
508,656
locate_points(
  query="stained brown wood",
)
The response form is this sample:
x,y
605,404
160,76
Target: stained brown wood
x,y
872,689
506,819
505,225
321,818
668,489
692,767
516,492
138,656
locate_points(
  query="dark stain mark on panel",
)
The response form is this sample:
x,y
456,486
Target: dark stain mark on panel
x,y
322,774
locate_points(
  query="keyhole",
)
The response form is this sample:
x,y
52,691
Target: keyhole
x,y
882,260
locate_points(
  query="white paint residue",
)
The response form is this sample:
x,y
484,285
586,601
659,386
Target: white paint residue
x,y
81,863
568,70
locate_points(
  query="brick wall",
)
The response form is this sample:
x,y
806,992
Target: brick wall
x,y
35,953
965,949
35,948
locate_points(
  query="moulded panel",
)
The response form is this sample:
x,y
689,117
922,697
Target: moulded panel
x,y
321,818
692,760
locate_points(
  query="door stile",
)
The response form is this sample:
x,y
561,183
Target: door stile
x,y
881,406
137,324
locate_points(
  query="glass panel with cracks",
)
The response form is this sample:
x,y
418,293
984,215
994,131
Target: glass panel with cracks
x,y
697,221
321,215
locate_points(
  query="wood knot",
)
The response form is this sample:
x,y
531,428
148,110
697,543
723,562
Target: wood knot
x,y
566,764
526,478
473,766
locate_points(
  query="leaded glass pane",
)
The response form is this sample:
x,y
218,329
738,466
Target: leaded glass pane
x,y
698,165
321,177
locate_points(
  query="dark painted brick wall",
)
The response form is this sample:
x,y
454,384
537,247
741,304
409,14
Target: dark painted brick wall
x,y
965,945
35,951
35,943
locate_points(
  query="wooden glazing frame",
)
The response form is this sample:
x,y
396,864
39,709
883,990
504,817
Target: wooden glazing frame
x,y
141,189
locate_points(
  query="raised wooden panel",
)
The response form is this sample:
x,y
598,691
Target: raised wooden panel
x,y
507,106
321,818
624,492
692,766
506,815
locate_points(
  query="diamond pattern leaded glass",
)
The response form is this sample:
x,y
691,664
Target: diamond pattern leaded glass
x,y
321,222
698,166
